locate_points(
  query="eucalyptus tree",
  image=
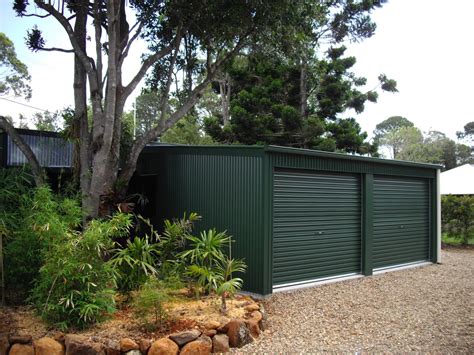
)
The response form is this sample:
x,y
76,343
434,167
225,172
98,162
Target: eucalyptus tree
x,y
101,37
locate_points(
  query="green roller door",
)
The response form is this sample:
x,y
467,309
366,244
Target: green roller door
x,y
316,226
401,221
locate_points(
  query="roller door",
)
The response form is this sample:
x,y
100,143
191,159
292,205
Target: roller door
x,y
401,221
316,226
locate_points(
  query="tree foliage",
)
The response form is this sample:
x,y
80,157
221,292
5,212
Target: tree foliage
x,y
265,104
14,76
407,142
458,216
286,90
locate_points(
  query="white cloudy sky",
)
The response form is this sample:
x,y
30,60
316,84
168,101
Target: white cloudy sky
x,y
426,45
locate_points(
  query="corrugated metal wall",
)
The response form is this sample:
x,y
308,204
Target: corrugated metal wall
x,y
226,190
51,152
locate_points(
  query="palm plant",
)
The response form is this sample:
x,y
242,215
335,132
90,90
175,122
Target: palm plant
x,y
226,285
207,248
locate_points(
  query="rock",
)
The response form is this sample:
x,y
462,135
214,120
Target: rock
x,y
59,337
210,332
112,348
263,312
200,346
133,352
19,339
21,349
212,324
127,344
256,316
220,343
238,333
252,307
48,346
4,344
163,346
80,345
254,328
185,337
144,345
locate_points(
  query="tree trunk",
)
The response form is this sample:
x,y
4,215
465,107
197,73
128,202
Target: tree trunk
x,y
304,87
225,91
25,149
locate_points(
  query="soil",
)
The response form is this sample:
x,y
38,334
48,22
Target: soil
x,y
183,313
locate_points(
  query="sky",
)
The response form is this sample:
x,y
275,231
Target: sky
x,y
427,46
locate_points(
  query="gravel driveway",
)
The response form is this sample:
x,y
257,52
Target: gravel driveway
x,y
427,309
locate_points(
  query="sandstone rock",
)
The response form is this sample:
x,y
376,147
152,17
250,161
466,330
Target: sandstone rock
x,y
144,345
185,337
254,328
200,346
21,349
238,333
127,344
112,348
19,339
59,337
220,343
212,324
210,332
4,344
163,346
263,312
48,346
80,345
133,352
256,316
252,307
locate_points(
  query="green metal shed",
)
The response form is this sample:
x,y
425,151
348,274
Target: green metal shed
x,y
301,216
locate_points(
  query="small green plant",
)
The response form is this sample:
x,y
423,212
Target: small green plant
x,y
211,267
75,287
207,248
226,285
135,263
150,300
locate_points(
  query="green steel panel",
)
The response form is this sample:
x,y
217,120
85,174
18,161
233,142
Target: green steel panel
x,y
367,224
401,218
316,226
226,190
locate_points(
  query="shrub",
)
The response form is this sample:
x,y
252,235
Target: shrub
x,y
75,287
458,216
39,218
210,267
151,299
135,263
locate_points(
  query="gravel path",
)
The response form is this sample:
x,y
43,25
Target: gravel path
x,y
428,309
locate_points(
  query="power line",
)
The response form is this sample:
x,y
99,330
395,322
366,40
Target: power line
x,y
21,103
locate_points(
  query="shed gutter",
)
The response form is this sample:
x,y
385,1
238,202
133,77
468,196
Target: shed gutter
x,y
322,154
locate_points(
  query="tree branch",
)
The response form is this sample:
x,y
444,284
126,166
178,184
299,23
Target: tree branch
x,y
130,42
144,68
54,49
86,61
25,149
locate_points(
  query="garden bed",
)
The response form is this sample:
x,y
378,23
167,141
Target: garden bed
x,y
184,313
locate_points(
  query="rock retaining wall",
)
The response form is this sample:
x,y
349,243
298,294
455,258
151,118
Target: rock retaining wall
x,y
211,337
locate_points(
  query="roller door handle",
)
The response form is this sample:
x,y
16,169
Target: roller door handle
x,y
319,233
402,226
